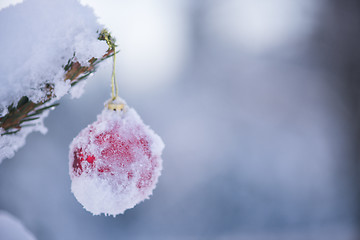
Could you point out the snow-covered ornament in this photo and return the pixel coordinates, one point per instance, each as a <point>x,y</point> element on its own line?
<point>115,162</point>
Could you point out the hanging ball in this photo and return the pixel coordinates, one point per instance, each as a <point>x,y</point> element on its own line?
<point>115,162</point>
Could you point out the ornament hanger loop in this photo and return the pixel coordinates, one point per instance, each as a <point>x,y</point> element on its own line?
<point>115,102</point>
<point>114,86</point>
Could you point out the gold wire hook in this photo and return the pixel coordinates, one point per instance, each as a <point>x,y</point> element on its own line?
<point>114,103</point>
<point>114,87</point>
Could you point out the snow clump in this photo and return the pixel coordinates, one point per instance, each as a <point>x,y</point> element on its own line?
<point>38,39</point>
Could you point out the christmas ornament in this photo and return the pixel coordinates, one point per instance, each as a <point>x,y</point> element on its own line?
<point>115,162</point>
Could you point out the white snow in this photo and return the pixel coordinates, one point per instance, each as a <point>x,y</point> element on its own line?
<point>12,229</point>
<point>37,39</point>
<point>77,90</point>
<point>115,192</point>
<point>10,143</point>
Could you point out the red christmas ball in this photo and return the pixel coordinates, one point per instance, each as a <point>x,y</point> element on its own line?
<point>115,162</point>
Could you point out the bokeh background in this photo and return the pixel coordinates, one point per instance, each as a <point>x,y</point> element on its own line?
<point>257,102</point>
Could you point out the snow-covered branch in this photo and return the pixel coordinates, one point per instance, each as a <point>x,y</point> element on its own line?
<point>48,49</point>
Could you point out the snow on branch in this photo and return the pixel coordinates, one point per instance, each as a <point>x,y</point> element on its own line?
<point>47,48</point>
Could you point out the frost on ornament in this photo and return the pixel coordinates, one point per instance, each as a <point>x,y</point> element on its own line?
<point>115,162</point>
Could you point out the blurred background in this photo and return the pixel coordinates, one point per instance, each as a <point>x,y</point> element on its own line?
<point>257,102</point>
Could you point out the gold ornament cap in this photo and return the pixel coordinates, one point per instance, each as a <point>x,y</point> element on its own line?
<point>116,104</point>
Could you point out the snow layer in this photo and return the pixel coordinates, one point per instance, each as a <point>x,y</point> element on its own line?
<point>123,162</point>
<point>10,143</point>
<point>38,38</point>
<point>12,229</point>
